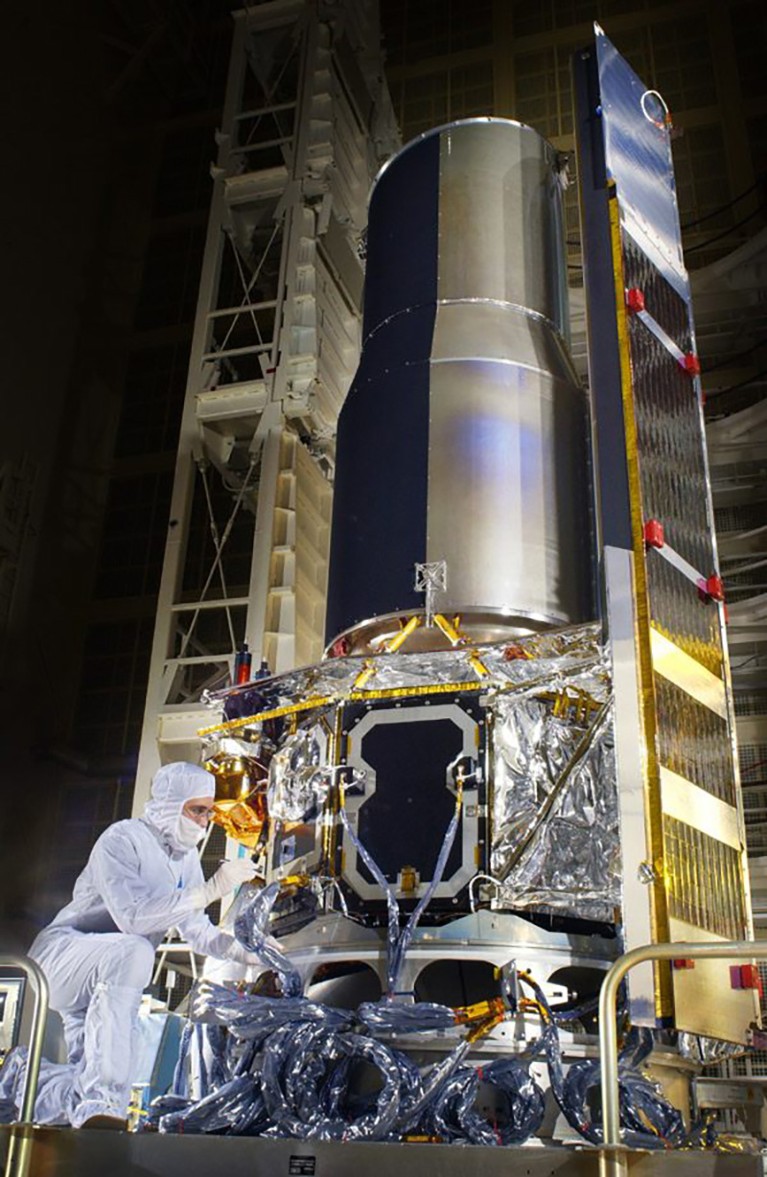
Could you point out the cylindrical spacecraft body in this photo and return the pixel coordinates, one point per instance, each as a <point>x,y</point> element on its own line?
<point>464,435</point>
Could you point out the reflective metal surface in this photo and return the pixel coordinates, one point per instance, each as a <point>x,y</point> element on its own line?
<point>480,458</point>
<point>646,392</point>
<point>698,839</point>
<point>507,439</point>
<point>479,626</point>
<point>60,1152</point>
<point>630,786</point>
<point>639,156</point>
<point>688,674</point>
<point>240,803</point>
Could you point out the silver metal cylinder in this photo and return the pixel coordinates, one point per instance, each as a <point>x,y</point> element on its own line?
<point>466,346</point>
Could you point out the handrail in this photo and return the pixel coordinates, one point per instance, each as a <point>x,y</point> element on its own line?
<point>608,1031</point>
<point>37,1034</point>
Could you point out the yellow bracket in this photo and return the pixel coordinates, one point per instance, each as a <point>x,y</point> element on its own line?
<point>390,647</point>
<point>532,1003</point>
<point>478,665</point>
<point>577,704</point>
<point>352,696</point>
<point>367,672</point>
<point>400,638</point>
<point>480,1011</point>
<point>357,696</point>
<point>483,1028</point>
<point>276,713</point>
<point>442,688</point>
<point>529,1004</point>
<point>450,629</point>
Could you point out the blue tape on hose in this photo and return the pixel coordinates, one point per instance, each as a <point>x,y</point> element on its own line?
<point>392,906</point>
<point>237,1108</point>
<point>251,929</point>
<point>304,1088</point>
<point>404,940</point>
<point>457,1119</point>
<point>255,1017</point>
<point>180,1085</point>
<point>218,1072</point>
<point>398,943</point>
<point>647,1118</point>
<point>386,1017</point>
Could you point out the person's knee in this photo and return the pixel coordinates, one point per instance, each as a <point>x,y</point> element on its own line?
<point>128,961</point>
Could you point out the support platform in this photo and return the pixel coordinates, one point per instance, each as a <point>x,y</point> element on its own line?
<point>64,1152</point>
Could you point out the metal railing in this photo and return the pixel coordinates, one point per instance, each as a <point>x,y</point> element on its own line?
<point>37,1033</point>
<point>18,1157</point>
<point>613,1161</point>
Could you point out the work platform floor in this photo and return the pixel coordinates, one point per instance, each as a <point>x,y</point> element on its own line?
<point>63,1152</point>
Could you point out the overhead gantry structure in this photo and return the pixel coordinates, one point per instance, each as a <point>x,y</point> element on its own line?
<point>307,123</point>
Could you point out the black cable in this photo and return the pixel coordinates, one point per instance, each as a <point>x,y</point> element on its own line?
<point>723,208</point>
<point>726,233</point>
<point>736,387</point>
<point>737,356</point>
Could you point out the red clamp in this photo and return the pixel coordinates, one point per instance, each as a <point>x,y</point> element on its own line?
<point>635,299</point>
<point>683,963</point>
<point>711,589</point>
<point>340,648</point>
<point>691,364</point>
<point>745,976</point>
<point>652,533</point>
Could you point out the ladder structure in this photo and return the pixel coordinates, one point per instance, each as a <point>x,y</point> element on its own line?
<point>307,123</point>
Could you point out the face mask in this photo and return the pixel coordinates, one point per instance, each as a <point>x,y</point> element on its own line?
<point>188,834</point>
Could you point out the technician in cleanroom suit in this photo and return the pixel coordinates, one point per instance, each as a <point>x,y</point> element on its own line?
<point>142,878</point>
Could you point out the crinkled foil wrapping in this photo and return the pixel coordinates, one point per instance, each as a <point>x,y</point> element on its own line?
<point>554,813</point>
<point>555,842</point>
<point>534,659</point>
<point>707,1051</point>
<point>296,777</point>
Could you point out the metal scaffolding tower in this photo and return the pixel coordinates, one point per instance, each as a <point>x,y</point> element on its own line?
<point>307,123</point>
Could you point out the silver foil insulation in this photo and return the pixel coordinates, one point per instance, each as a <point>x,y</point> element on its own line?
<point>527,727</point>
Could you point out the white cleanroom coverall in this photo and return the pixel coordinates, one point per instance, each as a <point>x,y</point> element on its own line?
<point>142,878</point>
